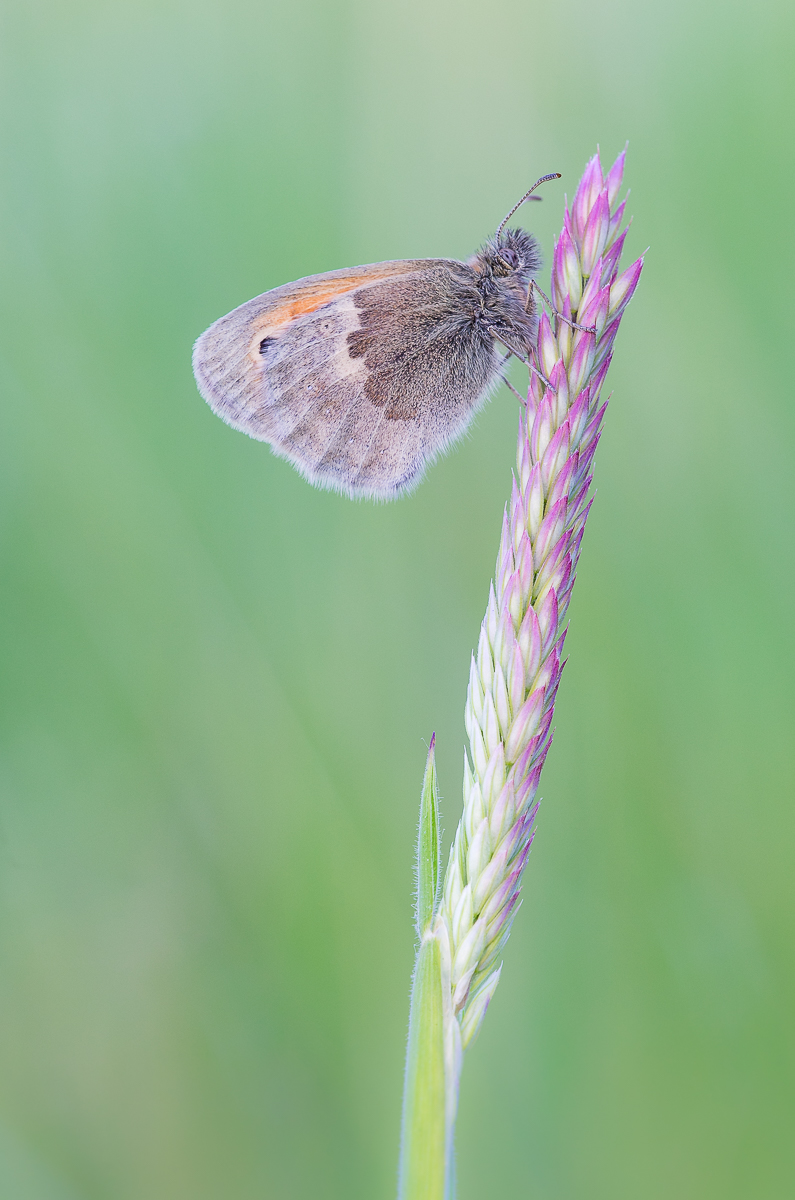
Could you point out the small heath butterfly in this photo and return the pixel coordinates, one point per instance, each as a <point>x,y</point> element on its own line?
<point>362,377</point>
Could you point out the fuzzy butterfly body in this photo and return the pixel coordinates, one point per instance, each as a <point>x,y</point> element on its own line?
<point>362,377</point>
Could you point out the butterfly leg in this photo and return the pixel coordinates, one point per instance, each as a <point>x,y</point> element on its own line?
<point>517,354</point>
<point>508,383</point>
<point>518,395</point>
<point>553,310</point>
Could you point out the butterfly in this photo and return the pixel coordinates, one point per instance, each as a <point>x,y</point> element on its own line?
<point>362,377</point>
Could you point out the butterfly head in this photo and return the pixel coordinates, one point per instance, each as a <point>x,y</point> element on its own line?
<point>513,254</point>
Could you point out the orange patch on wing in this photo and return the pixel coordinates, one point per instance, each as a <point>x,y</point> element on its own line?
<point>308,304</point>
<point>312,297</point>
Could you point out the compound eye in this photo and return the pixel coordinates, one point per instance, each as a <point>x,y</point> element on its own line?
<point>509,257</point>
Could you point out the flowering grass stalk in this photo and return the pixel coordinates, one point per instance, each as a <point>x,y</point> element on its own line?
<point>516,671</point>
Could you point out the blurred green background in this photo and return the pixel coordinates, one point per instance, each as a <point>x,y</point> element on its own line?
<point>217,682</point>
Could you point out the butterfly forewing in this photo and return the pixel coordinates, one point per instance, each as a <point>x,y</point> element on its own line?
<point>359,377</point>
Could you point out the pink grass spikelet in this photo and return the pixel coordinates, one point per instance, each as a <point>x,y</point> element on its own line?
<point>516,671</point>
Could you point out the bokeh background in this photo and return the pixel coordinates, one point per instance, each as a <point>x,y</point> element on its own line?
<point>217,683</point>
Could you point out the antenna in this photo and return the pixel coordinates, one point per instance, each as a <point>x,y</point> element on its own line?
<point>526,196</point>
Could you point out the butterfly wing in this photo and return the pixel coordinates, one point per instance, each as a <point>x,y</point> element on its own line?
<point>359,377</point>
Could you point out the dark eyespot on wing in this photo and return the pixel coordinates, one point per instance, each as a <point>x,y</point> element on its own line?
<point>263,346</point>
